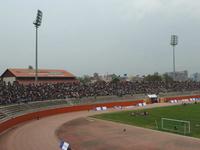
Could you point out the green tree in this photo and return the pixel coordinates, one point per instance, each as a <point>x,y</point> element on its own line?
<point>167,78</point>
<point>115,78</point>
<point>153,78</point>
<point>85,79</point>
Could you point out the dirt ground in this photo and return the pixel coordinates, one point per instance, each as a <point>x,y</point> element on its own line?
<point>84,133</point>
<point>93,134</point>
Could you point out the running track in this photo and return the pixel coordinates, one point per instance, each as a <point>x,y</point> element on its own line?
<point>40,134</point>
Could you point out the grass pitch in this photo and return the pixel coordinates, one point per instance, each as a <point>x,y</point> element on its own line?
<point>190,112</point>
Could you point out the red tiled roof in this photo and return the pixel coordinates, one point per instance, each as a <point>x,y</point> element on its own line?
<point>41,73</point>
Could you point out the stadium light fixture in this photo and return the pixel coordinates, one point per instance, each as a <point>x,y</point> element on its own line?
<point>174,42</point>
<point>37,23</point>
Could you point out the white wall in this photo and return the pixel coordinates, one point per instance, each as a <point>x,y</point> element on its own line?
<point>9,79</point>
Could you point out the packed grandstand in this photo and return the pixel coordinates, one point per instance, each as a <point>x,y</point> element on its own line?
<point>16,93</point>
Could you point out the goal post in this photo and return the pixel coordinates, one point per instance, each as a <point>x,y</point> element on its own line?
<point>174,125</point>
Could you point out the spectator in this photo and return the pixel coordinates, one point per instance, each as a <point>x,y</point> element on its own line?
<point>16,93</point>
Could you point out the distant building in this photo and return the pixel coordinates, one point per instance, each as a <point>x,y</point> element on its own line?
<point>196,77</point>
<point>95,78</point>
<point>27,76</point>
<point>107,78</point>
<point>179,75</point>
<point>124,78</point>
<point>136,78</point>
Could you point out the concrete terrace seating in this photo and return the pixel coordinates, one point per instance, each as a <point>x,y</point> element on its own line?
<point>13,110</point>
<point>2,115</point>
<point>37,105</point>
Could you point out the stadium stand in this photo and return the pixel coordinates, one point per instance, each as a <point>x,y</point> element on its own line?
<point>2,115</point>
<point>13,110</point>
<point>17,93</point>
<point>36,105</point>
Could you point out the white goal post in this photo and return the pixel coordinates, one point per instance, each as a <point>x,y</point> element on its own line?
<point>173,125</point>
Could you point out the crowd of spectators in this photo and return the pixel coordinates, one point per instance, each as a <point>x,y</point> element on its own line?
<point>15,93</point>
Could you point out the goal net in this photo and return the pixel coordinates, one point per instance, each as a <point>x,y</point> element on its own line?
<point>173,125</point>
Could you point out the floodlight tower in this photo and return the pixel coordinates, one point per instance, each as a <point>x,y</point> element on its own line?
<point>37,23</point>
<point>174,42</point>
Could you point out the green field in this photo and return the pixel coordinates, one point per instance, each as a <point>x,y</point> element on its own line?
<point>190,112</point>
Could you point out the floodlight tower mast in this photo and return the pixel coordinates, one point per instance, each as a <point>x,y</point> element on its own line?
<point>37,23</point>
<point>174,42</point>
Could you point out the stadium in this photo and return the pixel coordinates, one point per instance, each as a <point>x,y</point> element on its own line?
<point>88,122</point>
<point>99,75</point>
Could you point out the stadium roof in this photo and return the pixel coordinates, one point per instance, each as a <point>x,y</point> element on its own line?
<point>41,73</point>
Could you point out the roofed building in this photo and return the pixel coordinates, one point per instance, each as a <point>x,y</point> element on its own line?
<point>27,76</point>
<point>179,75</point>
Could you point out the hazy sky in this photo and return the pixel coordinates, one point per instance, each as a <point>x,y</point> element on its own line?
<point>104,36</point>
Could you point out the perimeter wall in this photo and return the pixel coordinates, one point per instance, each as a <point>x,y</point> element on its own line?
<point>180,97</point>
<point>44,113</point>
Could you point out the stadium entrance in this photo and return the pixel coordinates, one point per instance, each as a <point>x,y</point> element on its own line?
<point>153,98</point>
